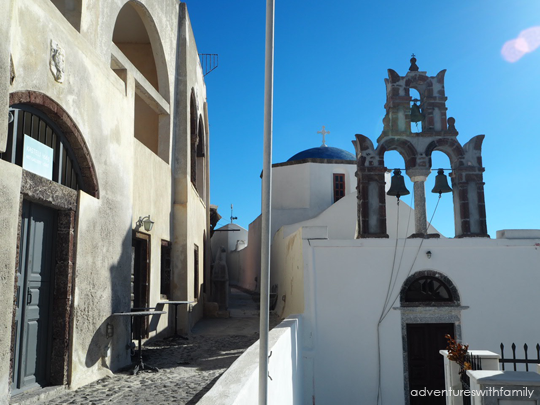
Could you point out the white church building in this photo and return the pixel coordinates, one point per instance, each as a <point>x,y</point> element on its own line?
<point>376,297</point>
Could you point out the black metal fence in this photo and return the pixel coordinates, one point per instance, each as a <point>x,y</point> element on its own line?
<point>517,361</point>
<point>475,363</point>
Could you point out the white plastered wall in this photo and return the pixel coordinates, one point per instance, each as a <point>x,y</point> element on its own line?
<point>250,258</point>
<point>302,191</point>
<point>10,186</point>
<point>345,286</point>
<point>152,196</point>
<point>233,238</point>
<point>191,206</point>
<point>5,68</point>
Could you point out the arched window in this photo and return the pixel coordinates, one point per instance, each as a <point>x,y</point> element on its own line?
<point>429,288</point>
<point>28,125</point>
<point>201,152</point>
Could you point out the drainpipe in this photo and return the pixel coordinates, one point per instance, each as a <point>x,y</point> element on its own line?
<point>266,204</point>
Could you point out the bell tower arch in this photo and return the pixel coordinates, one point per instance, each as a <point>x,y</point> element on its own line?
<point>435,132</point>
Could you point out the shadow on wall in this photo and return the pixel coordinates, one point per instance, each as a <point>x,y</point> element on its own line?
<point>109,344</point>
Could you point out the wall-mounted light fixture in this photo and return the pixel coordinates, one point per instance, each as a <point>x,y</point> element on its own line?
<point>428,254</point>
<point>145,222</point>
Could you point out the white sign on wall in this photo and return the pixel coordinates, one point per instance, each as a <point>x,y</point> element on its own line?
<point>37,157</point>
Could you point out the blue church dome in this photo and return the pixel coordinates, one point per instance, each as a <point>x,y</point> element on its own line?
<point>323,152</point>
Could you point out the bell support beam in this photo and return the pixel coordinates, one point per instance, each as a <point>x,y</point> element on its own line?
<point>420,220</point>
<point>419,176</point>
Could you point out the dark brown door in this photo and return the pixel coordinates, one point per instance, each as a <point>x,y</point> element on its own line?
<point>140,278</point>
<point>426,364</point>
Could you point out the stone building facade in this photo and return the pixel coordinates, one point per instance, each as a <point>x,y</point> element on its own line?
<point>105,125</point>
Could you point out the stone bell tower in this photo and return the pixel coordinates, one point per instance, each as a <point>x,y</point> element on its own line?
<point>415,127</point>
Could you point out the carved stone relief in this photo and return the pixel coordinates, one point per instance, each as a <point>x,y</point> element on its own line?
<point>57,61</point>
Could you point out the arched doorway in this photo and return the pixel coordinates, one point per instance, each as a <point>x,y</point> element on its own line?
<point>430,309</point>
<point>41,129</point>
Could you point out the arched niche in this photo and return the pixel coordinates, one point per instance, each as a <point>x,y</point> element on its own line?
<point>136,37</point>
<point>201,157</point>
<point>416,100</point>
<point>194,136</point>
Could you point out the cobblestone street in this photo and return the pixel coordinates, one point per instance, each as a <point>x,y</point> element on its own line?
<point>187,368</point>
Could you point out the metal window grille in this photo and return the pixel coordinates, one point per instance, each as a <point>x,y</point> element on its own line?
<point>29,121</point>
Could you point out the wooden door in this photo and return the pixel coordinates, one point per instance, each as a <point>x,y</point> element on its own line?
<point>140,277</point>
<point>33,297</point>
<point>426,364</point>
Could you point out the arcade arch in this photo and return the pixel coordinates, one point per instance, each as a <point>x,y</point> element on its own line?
<point>137,48</point>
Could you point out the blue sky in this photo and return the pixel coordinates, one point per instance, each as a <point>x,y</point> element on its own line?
<point>331,59</point>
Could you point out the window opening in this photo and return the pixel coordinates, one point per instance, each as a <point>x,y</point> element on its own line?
<point>71,10</point>
<point>165,288</point>
<point>428,289</point>
<point>339,186</point>
<point>417,111</point>
<point>32,122</point>
<point>196,272</point>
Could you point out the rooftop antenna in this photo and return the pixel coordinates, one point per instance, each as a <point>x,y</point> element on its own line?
<point>323,132</point>
<point>232,217</point>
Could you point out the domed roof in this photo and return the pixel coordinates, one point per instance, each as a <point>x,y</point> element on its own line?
<point>323,152</point>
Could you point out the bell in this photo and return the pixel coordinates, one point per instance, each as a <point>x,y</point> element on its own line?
<point>441,183</point>
<point>397,185</point>
<point>416,115</point>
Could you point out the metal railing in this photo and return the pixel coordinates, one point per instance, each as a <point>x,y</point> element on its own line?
<point>475,363</point>
<point>517,361</point>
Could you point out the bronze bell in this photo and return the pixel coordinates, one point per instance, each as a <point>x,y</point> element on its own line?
<point>397,185</point>
<point>416,115</point>
<point>441,183</point>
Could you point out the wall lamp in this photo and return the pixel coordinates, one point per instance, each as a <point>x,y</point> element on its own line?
<point>145,222</point>
<point>428,254</point>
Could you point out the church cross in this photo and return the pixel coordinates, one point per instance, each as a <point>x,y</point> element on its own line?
<point>323,132</point>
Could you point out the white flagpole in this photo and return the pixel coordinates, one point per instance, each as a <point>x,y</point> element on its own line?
<point>266,205</point>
